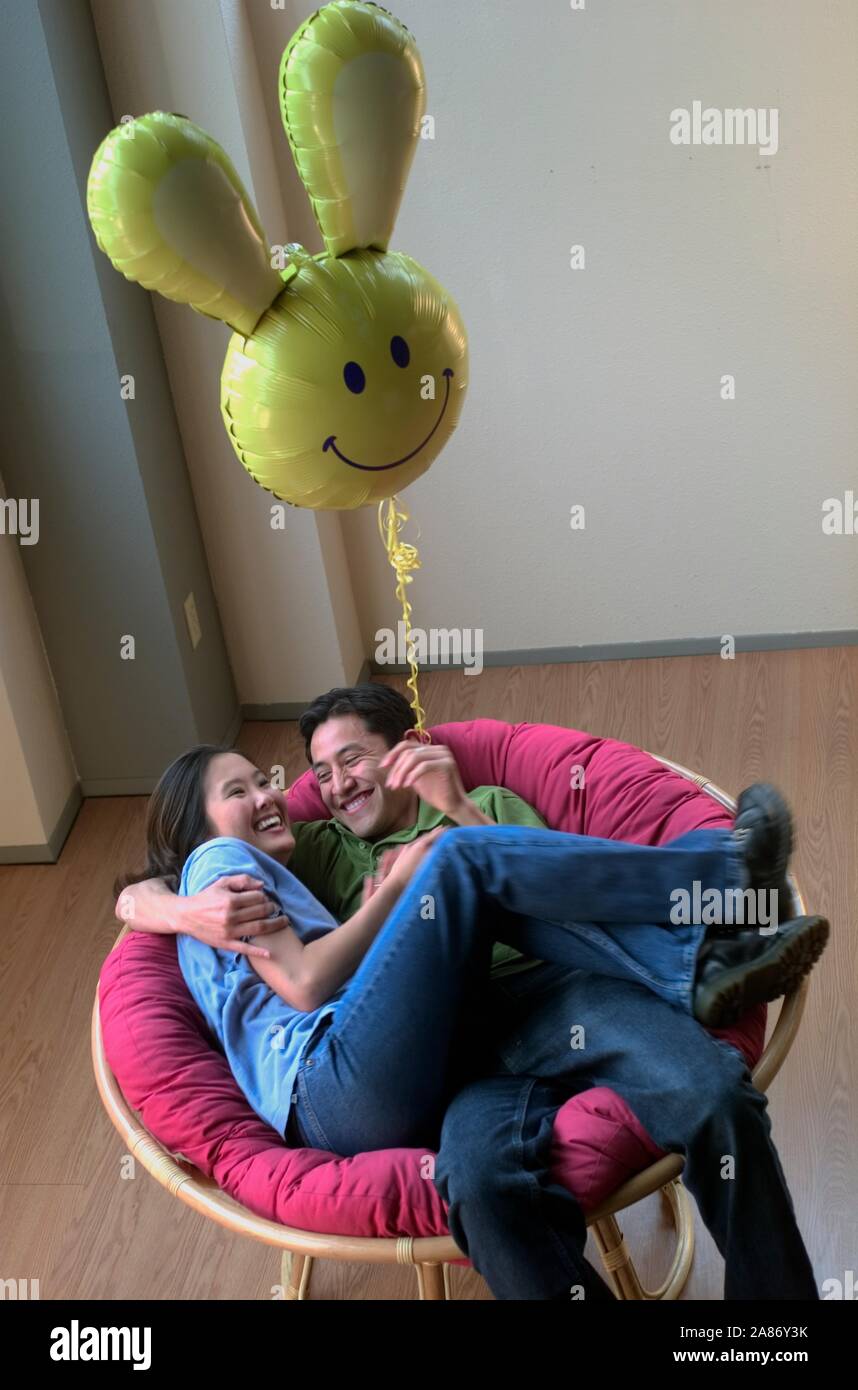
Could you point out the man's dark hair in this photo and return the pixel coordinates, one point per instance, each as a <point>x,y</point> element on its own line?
<point>382,710</point>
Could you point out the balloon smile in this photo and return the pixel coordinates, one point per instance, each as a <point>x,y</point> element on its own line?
<point>331,442</point>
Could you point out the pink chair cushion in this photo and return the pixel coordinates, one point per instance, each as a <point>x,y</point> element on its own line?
<point>159,1048</point>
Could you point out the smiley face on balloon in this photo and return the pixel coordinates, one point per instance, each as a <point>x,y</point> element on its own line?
<point>346,372</point>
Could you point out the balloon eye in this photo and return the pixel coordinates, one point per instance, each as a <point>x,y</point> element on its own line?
<point>399,352</point>
<point>353,375</point>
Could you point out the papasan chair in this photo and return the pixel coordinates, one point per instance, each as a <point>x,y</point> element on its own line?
<point>173,1099</point>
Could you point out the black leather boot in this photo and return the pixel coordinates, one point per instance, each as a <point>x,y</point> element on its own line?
<point>739,967</point>
<point>764,832</point>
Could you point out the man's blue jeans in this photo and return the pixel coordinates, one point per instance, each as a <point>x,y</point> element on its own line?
<point>692,1093</point>
<point>381,1069</point>
<point>410,1030</point>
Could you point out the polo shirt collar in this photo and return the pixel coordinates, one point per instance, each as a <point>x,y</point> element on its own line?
<point>427,819</point>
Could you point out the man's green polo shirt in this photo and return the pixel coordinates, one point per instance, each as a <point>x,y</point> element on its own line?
<point>333,862</point>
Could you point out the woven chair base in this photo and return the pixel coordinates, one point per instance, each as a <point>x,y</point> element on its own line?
<point>618,1262</point>
<point>433,1280</point>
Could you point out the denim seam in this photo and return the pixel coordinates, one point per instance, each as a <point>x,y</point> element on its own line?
<point>601,939</point>
<point>310,1115</point>
<point>534,1188</point>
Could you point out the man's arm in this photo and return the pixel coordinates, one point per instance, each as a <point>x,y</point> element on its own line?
<point>232,907</point>
<point>504,807</point>
<point>432,771</point>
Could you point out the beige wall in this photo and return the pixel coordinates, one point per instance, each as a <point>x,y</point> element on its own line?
<point>598,387</point>
<point>601,386</point>
<point>39,774</point>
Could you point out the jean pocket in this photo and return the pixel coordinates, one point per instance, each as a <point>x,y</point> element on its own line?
<point>308,1119</point>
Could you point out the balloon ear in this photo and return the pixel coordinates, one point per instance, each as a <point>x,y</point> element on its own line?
<point>170,212</point>
<point>352,96</point>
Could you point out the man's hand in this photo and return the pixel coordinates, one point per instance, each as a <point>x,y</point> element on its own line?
<point>432,771</point>
<point>234,906</point>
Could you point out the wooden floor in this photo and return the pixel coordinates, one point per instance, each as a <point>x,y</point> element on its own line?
<point>67,1217</point>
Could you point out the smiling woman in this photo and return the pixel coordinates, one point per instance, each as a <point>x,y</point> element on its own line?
<point>210,791</point>
<point>241,802</point>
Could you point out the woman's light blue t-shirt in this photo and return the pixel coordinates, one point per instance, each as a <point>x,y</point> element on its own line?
<point>262,1036</point>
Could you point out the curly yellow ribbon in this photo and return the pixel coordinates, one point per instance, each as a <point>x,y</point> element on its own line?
<point>404,558</point>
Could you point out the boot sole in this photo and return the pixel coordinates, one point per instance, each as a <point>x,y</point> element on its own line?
<point>723,1001</point>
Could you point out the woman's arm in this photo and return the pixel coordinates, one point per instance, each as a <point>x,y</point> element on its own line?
<point>307,975</point>
<point>232,907</point>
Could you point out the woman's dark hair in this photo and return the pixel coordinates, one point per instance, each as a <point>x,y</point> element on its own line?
<point>176,820</point>
<point>383,710</point>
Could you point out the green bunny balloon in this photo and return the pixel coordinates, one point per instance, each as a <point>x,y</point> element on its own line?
<point>346,371</point>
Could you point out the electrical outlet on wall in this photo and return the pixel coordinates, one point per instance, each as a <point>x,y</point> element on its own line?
<point>192,619</point>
